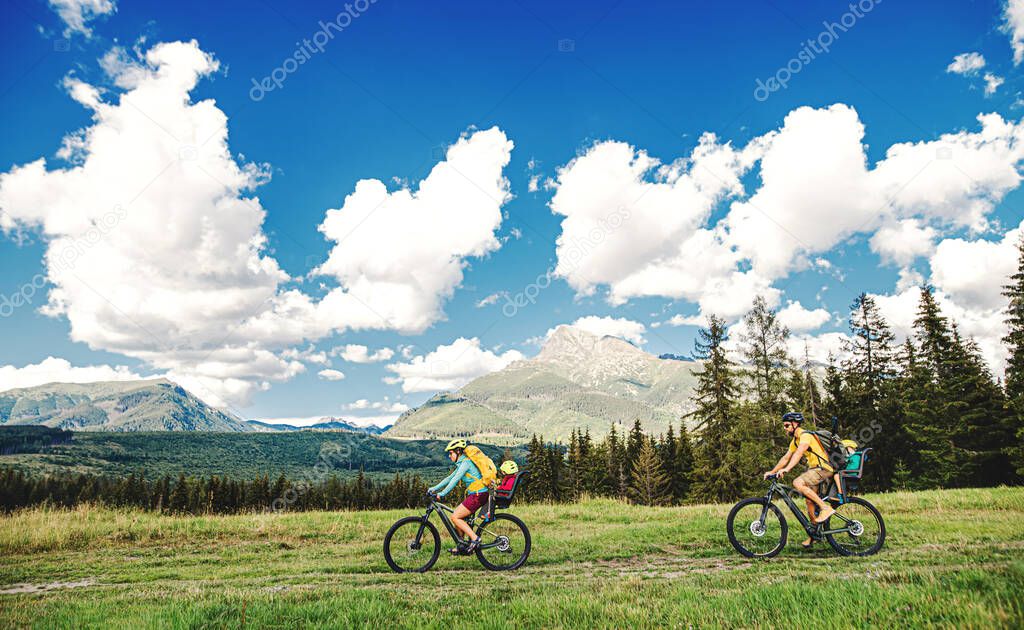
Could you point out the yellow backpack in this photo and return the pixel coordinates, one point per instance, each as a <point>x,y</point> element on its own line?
<point>488,472</point>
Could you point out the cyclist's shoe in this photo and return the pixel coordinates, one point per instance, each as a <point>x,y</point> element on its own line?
<point>823,515</point>
<point>459,549</point>
<point>472,546</point>
<point>807,544</point>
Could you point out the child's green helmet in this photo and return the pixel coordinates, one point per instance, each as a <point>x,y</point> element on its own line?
<point>509,467</point>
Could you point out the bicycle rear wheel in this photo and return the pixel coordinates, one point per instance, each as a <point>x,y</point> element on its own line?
<point>757,528</point>
<point>410,549</point>
<point>505,543</point>
<point>864,529</point>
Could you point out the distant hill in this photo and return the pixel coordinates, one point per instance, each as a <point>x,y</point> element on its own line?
<point>145,405</point>
<point>297,454</point>
<point>325,424</point>
<point>578,380</point>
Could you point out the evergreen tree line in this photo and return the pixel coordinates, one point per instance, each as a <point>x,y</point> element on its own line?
<point>210,495</point>
<point>930,408</point>
<point>634,466</point>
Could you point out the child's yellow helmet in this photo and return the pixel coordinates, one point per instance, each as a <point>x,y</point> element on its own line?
<point>509,467</point>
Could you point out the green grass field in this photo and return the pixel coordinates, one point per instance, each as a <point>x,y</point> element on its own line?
<point>953,558</point>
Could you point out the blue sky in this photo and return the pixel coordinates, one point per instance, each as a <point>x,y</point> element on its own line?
<point>598,82</point>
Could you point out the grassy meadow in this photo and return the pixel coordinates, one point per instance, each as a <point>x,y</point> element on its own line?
<point>953,558</point>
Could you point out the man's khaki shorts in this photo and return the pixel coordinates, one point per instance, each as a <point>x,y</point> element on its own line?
<point>815,476</point>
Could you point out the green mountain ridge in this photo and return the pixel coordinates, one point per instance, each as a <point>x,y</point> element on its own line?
<point>39,451</point>
<point>578,380</point>
<point>125,406</point>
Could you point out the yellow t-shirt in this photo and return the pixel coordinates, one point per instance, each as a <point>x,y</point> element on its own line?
<point>815,455</point>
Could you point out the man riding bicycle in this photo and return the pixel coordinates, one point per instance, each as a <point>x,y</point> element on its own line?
<point>805,445</point>
<point>476,492</point>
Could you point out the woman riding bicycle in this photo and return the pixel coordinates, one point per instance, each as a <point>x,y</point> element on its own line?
<point>476,493</point>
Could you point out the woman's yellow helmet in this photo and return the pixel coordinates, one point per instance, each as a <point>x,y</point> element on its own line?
<point>454,444</point>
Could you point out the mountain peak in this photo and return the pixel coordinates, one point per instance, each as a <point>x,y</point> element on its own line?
<point>575,344</point>
<point>140,405</point>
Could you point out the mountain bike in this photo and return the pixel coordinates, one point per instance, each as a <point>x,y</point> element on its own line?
<point>758,529</point>
<point>412,545</point>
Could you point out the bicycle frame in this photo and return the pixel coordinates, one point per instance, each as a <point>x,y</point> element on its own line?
<point>812,529</point>
<point>442,511</point>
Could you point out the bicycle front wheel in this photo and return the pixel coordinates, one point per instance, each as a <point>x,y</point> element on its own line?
<point>861,528</point>
<point>412,545</point>
<point>504,543</point>
<point>757,528</point>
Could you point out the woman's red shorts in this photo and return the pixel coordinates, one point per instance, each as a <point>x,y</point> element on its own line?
<point>474,502</point>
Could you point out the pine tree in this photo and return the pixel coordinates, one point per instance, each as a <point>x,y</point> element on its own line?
<point>929,409</point>
<point>874,414</point>
<point>634,443</point>
<point>540,487</point>
<point>574,466</point>
<point>715,397</point>
<point>667,450</point>
<point>683,468</point>
<point>764,347</point>
<point>834,400</point>
<point>617,471</point>
<point>558,484</point>
<point>1014,383</point>
<point>982,424</point>
<point>755,446</point>
<point>796,393</point>
<point>595,459</point>
<point>870,348</point>
<point>178,501</point>
<point>648,482</point>
<point>811,389</point>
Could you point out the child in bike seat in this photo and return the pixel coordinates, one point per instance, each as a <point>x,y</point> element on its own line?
<point>507,474</point>
<point>509,469</point>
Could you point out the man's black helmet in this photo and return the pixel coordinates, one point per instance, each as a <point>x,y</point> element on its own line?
<point>793,416</point>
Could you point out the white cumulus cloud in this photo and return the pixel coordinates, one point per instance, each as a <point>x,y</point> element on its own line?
<point>57,370</point>
<point>357,353</point>
<point>799,319</point>
<point>1013,25</point>
<point>77,14</point>
<point>155,248</point>
<point>408,248</point>
<point>641,227</point>
<point>966,63</point>
<point>615,326</point>
<point>331,375</point>
<point>377,405</point>
<point>972,273</point>
<point>450,366</point>
<point>902,242</point>
<point>992,83</point>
